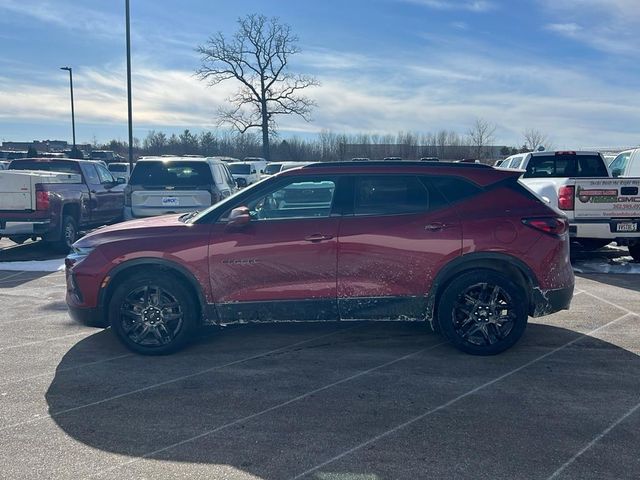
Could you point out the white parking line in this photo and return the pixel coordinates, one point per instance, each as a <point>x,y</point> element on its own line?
<point>266,410</point>
<point>609,303</point>
<point>452,401</point>
<point>36,342</point>
<point>11,276</point>
<point>173,380</point>
<point>81,365</point>
<point>598,437</point>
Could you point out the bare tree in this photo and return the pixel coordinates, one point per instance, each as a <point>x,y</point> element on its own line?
<point>535,138</point>
<point>257,56</point>
<point>481,135</point>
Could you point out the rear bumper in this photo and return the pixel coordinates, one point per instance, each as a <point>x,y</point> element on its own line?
<point>143,212</point>
<point>24,228</point>
<point>599,228</point>
<point>546,302</point>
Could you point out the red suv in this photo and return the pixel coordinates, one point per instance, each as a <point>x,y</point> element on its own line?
<point>464,247</point>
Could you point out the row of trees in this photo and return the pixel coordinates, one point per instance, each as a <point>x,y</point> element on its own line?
<point>331,146</point>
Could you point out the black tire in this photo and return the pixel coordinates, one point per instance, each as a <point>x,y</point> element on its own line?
<point>591,244</point>
<point>634,250</point>
<point>68,234</point>
<point>140,308</point>
<point>471,307</point>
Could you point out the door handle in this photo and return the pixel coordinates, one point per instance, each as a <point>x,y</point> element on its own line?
<point>318,237</point>
<point>436,227</point>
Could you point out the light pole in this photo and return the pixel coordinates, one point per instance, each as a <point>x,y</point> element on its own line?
<point>129,87</point>
<point>73,116</point>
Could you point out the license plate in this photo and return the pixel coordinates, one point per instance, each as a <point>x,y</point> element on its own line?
<point>170,201</point>
<point>627,227</point>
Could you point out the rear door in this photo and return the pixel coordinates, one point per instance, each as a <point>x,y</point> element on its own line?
<point>98,203</point>
<point>113,196</point>
<point>398,235</point>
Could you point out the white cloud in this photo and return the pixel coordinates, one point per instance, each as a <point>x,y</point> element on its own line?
<point>469,5</point>
<point>605,25</point>
<point>575,107</point>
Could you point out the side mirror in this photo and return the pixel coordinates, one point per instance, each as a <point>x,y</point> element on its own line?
<point>616,172</point>
<point>239,217</point>
<point>120,181</point>
<point>241,182</point>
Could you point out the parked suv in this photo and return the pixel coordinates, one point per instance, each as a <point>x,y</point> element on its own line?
<point>464,247</point>
<point>162,185</point>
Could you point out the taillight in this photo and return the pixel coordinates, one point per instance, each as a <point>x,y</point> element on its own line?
<point>127,196</point>
<point>42,198</point>
<point>566,197</point>
<point>550,225</point>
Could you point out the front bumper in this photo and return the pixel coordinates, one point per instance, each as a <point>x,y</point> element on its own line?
<point>91,317</point>
<point>546,302</point>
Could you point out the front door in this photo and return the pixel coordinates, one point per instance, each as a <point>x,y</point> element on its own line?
<point>282,265</point>
<point>399,234</point>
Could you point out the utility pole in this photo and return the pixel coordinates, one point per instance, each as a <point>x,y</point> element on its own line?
<point>73,116</point>
<point>129,87</point>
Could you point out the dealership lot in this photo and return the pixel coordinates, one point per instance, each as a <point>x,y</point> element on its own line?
<point>325,401</point>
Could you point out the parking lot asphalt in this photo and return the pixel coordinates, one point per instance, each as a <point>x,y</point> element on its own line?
<point>321,401</point>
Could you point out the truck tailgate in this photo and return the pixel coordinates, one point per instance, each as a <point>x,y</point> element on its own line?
<point>615,198</point>
<point>17,191</point>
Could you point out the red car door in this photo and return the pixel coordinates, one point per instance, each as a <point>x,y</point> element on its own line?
<point>400,233</point>
<point>282,265</point>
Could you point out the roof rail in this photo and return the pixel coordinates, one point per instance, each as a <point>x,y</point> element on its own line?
<point>403,163</point>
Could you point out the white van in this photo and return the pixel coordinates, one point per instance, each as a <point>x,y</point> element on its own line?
<point>244,173</point>
<point>626,164</point>
<point>120,170</point>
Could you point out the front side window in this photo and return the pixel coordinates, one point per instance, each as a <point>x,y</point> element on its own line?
<point>104,174</point>
<point>389,195</point>
<point>619,164</point>
<point>298,199</point>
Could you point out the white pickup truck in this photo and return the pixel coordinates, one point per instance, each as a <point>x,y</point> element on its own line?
<point>600,209</point>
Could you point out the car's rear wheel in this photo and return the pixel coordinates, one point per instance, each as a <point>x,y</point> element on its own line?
<point>153,314</point>
<point>69,234</point>
<point>482,312</point>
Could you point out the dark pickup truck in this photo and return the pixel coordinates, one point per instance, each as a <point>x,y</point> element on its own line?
<point>54,199</point>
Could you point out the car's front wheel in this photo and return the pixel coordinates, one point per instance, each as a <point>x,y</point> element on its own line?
<point>153,313</point>
<point>482,312</point>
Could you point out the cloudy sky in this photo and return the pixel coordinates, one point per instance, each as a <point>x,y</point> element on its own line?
<point>570,68</point>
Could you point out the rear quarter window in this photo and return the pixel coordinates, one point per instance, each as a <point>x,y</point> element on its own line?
<point>455,189</point>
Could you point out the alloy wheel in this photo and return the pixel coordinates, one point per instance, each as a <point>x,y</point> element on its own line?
<point>484,314</point>
<point>151,316</point>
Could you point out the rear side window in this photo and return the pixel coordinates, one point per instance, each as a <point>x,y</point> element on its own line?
<point>169,173</point>
<point>389,195</point>
<point>455,189</point>
<point>92,175</point>
<point>568,165</point>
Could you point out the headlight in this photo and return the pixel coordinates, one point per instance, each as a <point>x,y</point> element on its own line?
<point>77,255</point>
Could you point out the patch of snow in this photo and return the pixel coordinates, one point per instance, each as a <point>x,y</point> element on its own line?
<point>621,265</point>
<point>55,265</point>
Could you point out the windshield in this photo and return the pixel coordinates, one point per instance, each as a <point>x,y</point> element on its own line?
<point>114,167</point>
<point>101,155</point>
<point>45,165</point>
<point>273,168</point>
<point>164,173</point>
<point>239,168</point>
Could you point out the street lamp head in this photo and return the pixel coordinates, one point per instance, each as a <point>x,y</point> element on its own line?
<point>68,69</point>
